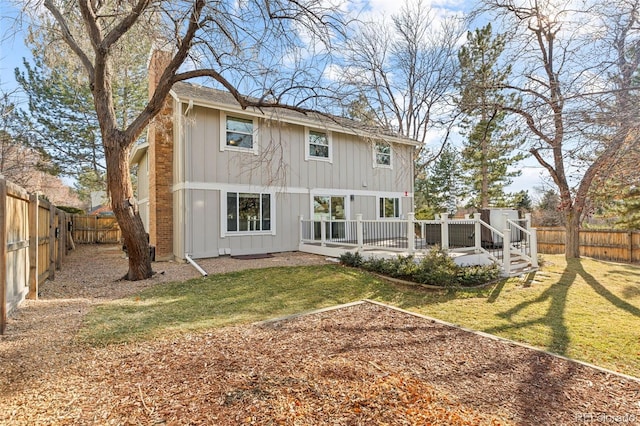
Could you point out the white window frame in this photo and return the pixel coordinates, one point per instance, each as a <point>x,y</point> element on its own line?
<point>380,199</point>
<point>375,155</point>
<point>307,144</point>
<point>224,232</point>
<point>223,133</point>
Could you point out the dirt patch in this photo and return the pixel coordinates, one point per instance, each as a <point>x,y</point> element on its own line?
<point>362,364</point>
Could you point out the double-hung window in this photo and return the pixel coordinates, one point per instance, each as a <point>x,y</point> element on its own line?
<point>389,208</point>
<point>318,145</point>
<point>237,133</point>
<point>248,212</point>
<point>382,154</point>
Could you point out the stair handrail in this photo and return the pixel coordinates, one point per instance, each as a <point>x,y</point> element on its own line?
<point>532,241</point>
<point>487,252</point>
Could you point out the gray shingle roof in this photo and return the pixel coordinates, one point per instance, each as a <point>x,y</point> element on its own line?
<point>207,96</point>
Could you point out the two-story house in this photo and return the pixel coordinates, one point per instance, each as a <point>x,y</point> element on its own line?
<point>214,179</point>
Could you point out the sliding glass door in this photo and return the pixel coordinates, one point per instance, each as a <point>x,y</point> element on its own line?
<point>332,210</point>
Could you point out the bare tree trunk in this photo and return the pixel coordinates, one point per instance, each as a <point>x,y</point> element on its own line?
<point>133,232</point>
<point>572,247</point>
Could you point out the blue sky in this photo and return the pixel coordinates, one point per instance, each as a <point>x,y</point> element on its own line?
<point>12,50</point>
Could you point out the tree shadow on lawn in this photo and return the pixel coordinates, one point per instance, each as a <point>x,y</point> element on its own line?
<point>554,319</point>
<point>603,291</point>
<point>556,296</point>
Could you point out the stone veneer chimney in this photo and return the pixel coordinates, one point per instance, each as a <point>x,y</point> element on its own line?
<point>160,138</point>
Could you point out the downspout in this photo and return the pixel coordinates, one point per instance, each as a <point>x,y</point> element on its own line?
<point>195,265</point>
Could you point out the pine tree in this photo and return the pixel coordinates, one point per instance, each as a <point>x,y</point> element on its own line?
<point>629,211</point>
<point>439,190</point>
<point>489,148</point>
<point>61,111</point>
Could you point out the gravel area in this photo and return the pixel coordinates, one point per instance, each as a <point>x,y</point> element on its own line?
<point>361,364</point>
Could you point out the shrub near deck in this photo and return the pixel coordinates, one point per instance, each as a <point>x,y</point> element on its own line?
<point>436,268</point>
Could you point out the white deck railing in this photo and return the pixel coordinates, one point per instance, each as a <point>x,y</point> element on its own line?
<point>411,236</point>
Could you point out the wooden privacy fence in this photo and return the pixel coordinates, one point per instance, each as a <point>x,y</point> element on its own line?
<point>610,244</point>
<point>33,235</point>
<point>96,229</point>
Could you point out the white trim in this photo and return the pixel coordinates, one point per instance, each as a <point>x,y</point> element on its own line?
<point>307,134</point>
<point>223,214</point>
<point>361,193</point>
<point>223,133</point>
<point>219,186</point>
<point>376,165</point>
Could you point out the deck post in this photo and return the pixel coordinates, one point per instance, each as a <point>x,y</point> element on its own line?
<point>359,232</point>
<point>527,218</point>
<point>323,231</point>
<point>301,229</point>
<point>477,233</point>
<point>506,251</point>
<point>411,233</point>
<point>444,231</point>
<point>534,247</point>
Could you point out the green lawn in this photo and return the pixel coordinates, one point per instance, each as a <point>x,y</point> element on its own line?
<point>586,309</point>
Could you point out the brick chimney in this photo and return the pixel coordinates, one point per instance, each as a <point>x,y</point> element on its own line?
<point>160,138</point>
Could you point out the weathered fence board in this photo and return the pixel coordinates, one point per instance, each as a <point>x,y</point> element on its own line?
<point>609,244</point>
<point>96,229</point>
<point>30,249</point>
<point>17,245</point>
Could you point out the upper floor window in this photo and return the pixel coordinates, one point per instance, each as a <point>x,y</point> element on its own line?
<point>237,133</point>
<point>389,208</point>
<point>382,153</point>
<point>318,145</point>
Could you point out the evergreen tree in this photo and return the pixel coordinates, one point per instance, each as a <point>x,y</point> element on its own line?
<point>64,124</point>
<point>61,110</point>
<point>489,147</point>
<point>547,212</point>
<point>629,211</point>
<point>521,201</point>
<point>439,190</point>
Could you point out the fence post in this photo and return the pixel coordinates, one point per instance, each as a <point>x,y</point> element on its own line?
<point>61,241</point>
<point>323,231</point>
<point>359,232</point>
<point>477,233</point>
<point>3,254</point>
<point>52,242</point>
<point>411,233</point>
<point>506,251</point>
<point>34,202</point>
<point>444,231</point>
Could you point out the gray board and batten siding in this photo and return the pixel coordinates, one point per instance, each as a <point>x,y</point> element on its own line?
<point>205,171</point>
